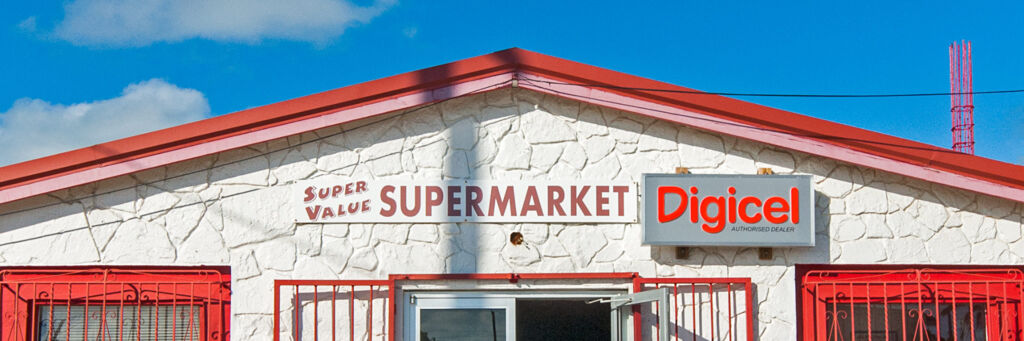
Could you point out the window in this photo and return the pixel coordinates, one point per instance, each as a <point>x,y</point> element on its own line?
<point>911,304</point>
<point>79,303</point>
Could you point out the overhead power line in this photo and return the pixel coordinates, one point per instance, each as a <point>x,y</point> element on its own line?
<point>754,94</point>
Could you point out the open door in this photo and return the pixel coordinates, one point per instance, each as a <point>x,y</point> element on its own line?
<point>622,308</point>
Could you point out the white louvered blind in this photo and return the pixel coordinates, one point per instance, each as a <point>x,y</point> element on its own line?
<point>119,322</point>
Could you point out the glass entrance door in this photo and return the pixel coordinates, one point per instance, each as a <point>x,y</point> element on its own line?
<point>466,316</point>
<point>453,317</point>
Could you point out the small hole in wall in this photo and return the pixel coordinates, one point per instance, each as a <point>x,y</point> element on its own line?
<point>515,238</point>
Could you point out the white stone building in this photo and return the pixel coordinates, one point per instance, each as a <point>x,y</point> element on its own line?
<point>202,218</point>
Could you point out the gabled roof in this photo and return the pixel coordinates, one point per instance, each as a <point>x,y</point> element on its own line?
<point>530,70</point>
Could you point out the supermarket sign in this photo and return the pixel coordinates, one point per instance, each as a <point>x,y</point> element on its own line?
<point>333,200</point>
<point>728,210</point>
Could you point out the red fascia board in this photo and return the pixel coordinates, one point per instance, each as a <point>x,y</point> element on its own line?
<point>219,127</point>
<point>503,61</point>
<point>730,109</point>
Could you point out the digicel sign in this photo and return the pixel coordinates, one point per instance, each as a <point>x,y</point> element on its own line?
<point>378,201</point>
<point>728,210</point>
<point>749,209</point>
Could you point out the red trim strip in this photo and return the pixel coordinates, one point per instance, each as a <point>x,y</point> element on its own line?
<point>843,142</point>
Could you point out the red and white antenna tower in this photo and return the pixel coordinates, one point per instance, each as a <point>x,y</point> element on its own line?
<point>961,87</point>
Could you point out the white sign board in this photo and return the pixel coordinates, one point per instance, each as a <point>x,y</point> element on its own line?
<point>333,200</point>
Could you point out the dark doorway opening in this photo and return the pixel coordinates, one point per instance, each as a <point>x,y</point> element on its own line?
<point>561,319</point>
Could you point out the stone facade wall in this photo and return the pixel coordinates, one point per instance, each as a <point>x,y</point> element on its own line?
<point>226,208</point>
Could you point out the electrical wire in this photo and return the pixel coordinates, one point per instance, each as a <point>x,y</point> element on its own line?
<point>317,139</point>
<point>751,94</point>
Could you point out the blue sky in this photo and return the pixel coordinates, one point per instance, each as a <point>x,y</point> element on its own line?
<point>81,72</point>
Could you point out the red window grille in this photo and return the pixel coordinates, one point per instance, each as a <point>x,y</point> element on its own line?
<point>911,304</point>
<point>111,303</point>
<point>701,308</point>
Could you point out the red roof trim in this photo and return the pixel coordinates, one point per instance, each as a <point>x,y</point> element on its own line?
<point>221,127</point>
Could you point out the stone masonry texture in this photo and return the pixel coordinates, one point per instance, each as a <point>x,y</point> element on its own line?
<point>229,208</point>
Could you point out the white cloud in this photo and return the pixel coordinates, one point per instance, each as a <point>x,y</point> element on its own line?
<point>142,22</point>
<point>34,128</point>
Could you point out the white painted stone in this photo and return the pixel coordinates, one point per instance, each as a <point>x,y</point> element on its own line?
<point>364,259</point>
<point>184,220</point>
<point>389,142</point>
<point>277,254</point>
<point>244,265</point>
<point>908,251</point>
<point>625,148</point>
<point>255,217</point>
<point>950,197</point>
<point>250,296</point>
<point>582,244</point>
<point>310,267</point>
<point>836,187</point>
<point>949,246</point>
<point>336,252</point>
<point>520,255</point>
<point>423,233</point>
<point>900,196</point>
<point>204,246</point>
<point>738,164</point>
<point>456,165</point>
<point>590,123</point>
<point>993,207</point>
<point>836,206</point>
<point>929,213</point>
<point>535,234</point>
<point>867,200</point>
<point>609,253</point>
<point>137,242</point>
<point>847,228</point>
<point>987,252</point>
<point>562,171</point>
<point>605,169</point>
<point>391,233</point>
<point>864,251</point>
<point>635,165</point>
<point>1007,230</point>
<point>904,225</point>
<point>700,150</point>
<point>553,248</point>
<point>876,227</point>
<point>659,136</point>
<point>544,156</point>
<point>296,165</point>
<point>598,147</point>
<point>625,130</point>
<point>462,135</point>
<point>424,123</point>
<point>387,165</point>
<point>977,228</point>
<point>574,155</point>
<point>780,162</point>
<point>557,265</point>
<point>542,127</point>
<point>308,239</point>
<point>485,151</point>
<point>431,155</point>
<point>513,153</point>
